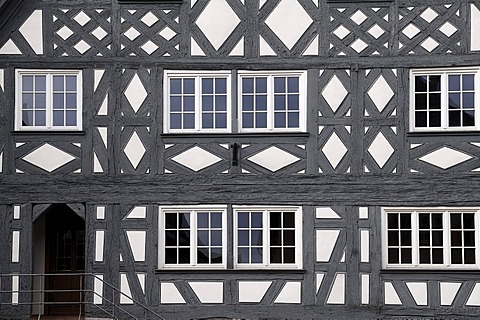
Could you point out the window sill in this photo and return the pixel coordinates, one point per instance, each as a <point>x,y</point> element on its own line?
<point>49,133</point>
<point>443,133</point>
<point>230,271</point>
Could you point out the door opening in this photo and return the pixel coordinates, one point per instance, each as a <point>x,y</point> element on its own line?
<point>63,233</point>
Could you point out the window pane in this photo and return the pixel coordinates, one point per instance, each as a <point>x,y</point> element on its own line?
<point>279,85</point>
<point>406,255</point>
<point>437,256</point>
<point>435,119</point>
<point>40,83</point>
<point>421,101</point>
<point>27,83</point>
<point>293,120</point>
<point>454,83</point>
<point>257,255</point>
<point>71,118</point>
<point>392,220</point>
<point>71,83</point>
<point>27,101</point>
<point>261,102</point>
<point>170,220</point>
<point>188,86</point>
<point>40,118</point>
<point>276,255</point>
<point>437,220</point>
<point>261,120</point>
<point>184,256</point>
<point>170,255</point>
<point>220,85</point>
<point>175,103</point>
<point>243,255</point>
<point>469,256</point>
<point>58,101</point>
<point>420,119</point>
<point>469,238</point>
<point>40,101</point>
<point>184,238</point>
<point>221,121</point>
<point>243,238</point>
<point>280,102</point>
<point>456,238</point>
<point>468,221</point>
<point>468,118</point>
<point>289,237</point>
<point>71,100</point>
<point>405,221</point>
<point>293,84</point>
<point>454,118</point>
<point>203,255</point>
<point>58,84</point>
<point>243,220</point>
<point>175,121</point>
<point>171,238</point>
<point>393,255</point>
<point>207,103</point>
<point>406,238</point>
<point>434,83</point>
<point>247,85</point>
<point>176,86</point>
<point>468,82</point>
<point>207,121</point>
<point>293,102</point>
<point>424,238</point>
<point>203,238</point>
<point>184,220</point>
<point>247,120</point>
<point>275,220</point>
<point>189,121</point>
<point>221,103</point>
<point>393,238</point>
<point>468,100</point>
<point>216,220</point>
<point>247,103</point>
<point>203,220</point>
<point>216,255</point>
<point>257,237</point>
<point>456,256</point>
<point>216,238</point>
<point>275,238</point>
<point>425,256</point>
<point>454,101</point>
<point>207,85</point>
<point>456,220</point>
<point>261,85</point>
<point>289,220</point>
<point>58,118</point>
<point>188,103</point>
<point>424,221</point>
<point>288,255</point>
<point>257,220</point>
<point>435,101</point>
<point>437,238</point>
<point>421,84</point>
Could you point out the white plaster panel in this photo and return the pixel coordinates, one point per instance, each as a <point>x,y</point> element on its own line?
<point>10,48</point>
<point>364,245</point>
<point>326,213</point>
<point>48,157</point>
<point>134,150</point>
<point>1,162</point>
<point>419,292</point>
<point>326,240</point>
<point>381,150</point>
<point>291,293</point>
<point>475,28</point>
<point>15,287</point>
<point>99,245</point>
<point>319,279</point>
<point>217,21</point>
<point>334,93</point>
<point>100,212</point>
<point>2,79</point>
<point>208,292</point>
<point>391,296</point>
<point>16,212</point>
<point>337,292</point>
<point>103,111</point>
<point>98,289</point>
<point>97,166</point>
<point>363,212</point>
<point>288,21</point>
<point>445,157</point>
<point>312,49</point>
<point>474,299</point>
<point>169,294</point>
<point>334,150</point>
<point>252,291</point>
<point>32,31</point>
<point>136,93</point>
<point>238,50</point>
<point>15,246</point>
<point>195,49</point>
<point>139,212</point>
<point>365,278</point>
<point>97,76</point>
<point>125,297</point>
<point>141,279</point>
<point>137,244</point>
<point>196,159</point>
<point>380,93</point>
<point>265,49</point>
<point>273,159</point>
<point>448,292</point>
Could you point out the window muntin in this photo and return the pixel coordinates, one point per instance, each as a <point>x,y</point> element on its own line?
<point>274,101</point>
<point>267,237</point>
<point>430,238</point>
<point>444,100</point>
<point>197,102</point>
<point>193,237</point>
<point>48,100</point>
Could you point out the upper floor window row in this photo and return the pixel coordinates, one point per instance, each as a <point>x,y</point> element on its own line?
<point>444,99</point>
<point>266,102</point>
<point>48,100</point>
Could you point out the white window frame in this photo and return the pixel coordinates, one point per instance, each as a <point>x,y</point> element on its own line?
<point>266,239</point>
<point>197,75</point>
<point>444,72</point>
<point>49,73</point>
<point>193,238</point>
<point>414,211</point>
<point>270,100</point>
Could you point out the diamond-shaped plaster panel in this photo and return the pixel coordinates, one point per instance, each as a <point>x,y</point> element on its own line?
<point>134,150</point>
<point>381,150</point>
<point>48,157</point>
<point>196,159</point>
<point>380,93</point>
<point>289,21</point>
<point>334,93</point>
<point>446,157</point>
<point>334,150</point>
<point>136,93</point>
<point>273,159</point>
<point>217,21</point>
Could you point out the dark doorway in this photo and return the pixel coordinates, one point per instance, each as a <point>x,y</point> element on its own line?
<point>64,261</point>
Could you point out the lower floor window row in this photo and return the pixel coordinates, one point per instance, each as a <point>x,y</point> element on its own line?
<point>431,238</point>
<point>263,237</point>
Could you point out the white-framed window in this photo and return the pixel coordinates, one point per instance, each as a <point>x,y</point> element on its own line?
<point>192,237</point>
<point>445,99</point>
<point>197,101</point>
<point>430,238</point>
<point>267,237</point>
<point>48,100</point>
<point>272,101</point>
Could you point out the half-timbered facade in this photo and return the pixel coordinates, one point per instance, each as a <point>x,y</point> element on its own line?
<point>280,159</point>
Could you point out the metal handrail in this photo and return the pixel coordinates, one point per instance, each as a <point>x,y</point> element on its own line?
<point>81,291</point>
